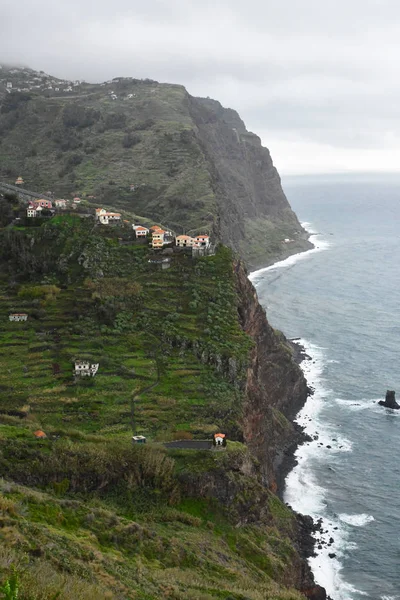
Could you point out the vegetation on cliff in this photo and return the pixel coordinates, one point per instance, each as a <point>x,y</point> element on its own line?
<point>83,513</point>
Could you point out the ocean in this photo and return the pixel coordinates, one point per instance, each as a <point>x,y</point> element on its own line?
<point>342,300</point>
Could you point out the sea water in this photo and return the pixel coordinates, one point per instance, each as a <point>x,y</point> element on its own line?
<point>343,300</point>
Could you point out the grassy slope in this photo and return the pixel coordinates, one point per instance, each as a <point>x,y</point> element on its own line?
<point>84,513</point>
<point>88,157</point>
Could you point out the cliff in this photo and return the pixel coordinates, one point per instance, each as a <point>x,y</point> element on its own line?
<point>275,386</point>
<point>151,149</point>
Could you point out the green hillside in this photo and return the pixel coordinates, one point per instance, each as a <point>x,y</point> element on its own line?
<point>84,513</point>
<point>151,149</point>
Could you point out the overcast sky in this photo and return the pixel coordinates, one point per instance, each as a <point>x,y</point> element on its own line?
<point>318,80</point>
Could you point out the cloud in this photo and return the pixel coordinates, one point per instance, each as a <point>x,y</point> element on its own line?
<point>311,77</point>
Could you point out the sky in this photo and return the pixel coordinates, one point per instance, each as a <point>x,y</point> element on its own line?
<point>317,80</point>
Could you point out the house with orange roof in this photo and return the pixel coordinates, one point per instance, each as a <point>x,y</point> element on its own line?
<point>201,241</point>
<point>219,439</point>
<point>140,231</point>
<point>106,218</point>
<point>184,241</point>
<point>39,434</point>
<point>155,228</point>
<point>60,203</point>
<point>44,203</point>
<point>158,239</point>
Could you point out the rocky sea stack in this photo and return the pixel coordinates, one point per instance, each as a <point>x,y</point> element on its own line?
<point>390,400</point>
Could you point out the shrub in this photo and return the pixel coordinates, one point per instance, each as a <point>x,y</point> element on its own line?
<point>130,140</point>
<point>115,121</point>
<point>75,115</point>
<point>32,292</point>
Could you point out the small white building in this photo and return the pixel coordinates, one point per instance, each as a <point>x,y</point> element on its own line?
<point>60,203</point>
<point>220,439</point>
<point>106,218</point>
<point>83,368</point>
<point>18,317</point>
<point>9,85</point>
<point>201,241</point>
<point>138,439</point>
<point>141,232</point>
<point>31,211</point>
<point>184,241</point>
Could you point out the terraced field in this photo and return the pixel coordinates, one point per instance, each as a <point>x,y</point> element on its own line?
<point>169,324</point>
<point>84,514</point>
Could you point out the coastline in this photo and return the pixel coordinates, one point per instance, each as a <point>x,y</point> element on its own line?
<point>286,462</point>
<point>314,534</point>
<point>317,246</point>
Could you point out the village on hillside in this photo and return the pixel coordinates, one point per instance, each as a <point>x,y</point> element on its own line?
<point>157,237</point>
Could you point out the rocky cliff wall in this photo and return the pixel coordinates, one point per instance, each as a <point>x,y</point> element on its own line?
<point>275,387</point>
<point>254,213</point>
<point>275,391</point>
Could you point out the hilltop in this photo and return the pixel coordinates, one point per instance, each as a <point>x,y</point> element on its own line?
<point>149,148</point>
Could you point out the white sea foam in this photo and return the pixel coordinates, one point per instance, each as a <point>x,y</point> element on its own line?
<point>356,520</point>
<point>305,494</point>
<point>302,490</point>
<point>315,238</point>
<point>370,404</point>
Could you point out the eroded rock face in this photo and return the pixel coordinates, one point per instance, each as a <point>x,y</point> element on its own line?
<point>275,391</point>
<point>249,196</point>
<point>315,593</point>
<point>275,387</point>
<point>390,400</point>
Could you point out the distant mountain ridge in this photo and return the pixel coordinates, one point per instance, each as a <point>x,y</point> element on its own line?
<point>149,148</point>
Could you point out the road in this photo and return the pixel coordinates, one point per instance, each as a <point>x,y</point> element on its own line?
<point>190,444</point>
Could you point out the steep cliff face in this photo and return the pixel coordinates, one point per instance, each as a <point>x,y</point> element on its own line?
<point>275,391</point>
<point>275,388</point>
<point>254,214</point>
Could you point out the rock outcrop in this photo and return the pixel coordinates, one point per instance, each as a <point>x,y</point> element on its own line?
<point>390,400</point>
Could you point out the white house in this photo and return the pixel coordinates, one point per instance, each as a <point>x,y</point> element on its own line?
<point>219,439</point>
<point>138,439</point>
<point>18,317</point>
<point>31,211</point>
<point>60,203</point>
<point>9,85</point>
<point>201,241</point>
<point>84,368</point>
<point>141,232</point>
<point>184,241</point>
<point>105,217</point>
